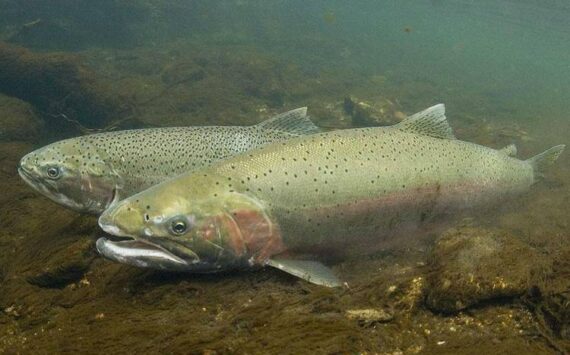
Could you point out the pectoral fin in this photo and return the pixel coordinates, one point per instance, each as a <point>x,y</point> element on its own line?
<point>311,271</point>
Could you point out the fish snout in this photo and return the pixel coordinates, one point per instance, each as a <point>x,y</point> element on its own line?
<point>118,221</point>
<point>107,222</point>
<point>29,172</point>
<point>25,164</point>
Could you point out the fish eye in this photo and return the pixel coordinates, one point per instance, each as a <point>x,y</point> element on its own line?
<point>178,227</point>
<point>53,172</point>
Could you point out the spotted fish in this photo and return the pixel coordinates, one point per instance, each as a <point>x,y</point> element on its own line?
<point>330,193</point>
<point>89,173</point>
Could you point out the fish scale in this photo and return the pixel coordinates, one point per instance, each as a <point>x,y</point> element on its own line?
<point>164,152</point>
<point>101,168</point>
<point>311,185</point>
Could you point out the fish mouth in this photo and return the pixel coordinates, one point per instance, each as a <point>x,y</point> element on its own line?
<point>28,177</point>
<point>142,253</point>
<point>37,184</point>
<point>53,194</point>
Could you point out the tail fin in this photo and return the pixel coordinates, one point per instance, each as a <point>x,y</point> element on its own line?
<point>542,161</point>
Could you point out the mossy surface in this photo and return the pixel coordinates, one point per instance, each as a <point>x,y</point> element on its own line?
<point>58,85</point>
<point>18,122</point>
<point>474,265</point>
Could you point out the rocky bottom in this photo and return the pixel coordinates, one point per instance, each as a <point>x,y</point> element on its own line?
<point>484,288</point>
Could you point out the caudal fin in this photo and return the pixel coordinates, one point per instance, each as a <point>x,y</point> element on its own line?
<point>542,161</point>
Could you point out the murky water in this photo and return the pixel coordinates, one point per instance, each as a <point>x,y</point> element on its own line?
<point>496,280</point>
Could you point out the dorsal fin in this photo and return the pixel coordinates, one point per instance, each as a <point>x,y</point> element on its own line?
<point>295,122</point>
<point>510,150</point>
<point>429,122</point>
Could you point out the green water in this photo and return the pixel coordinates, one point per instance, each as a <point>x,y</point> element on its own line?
<point>496,282</point>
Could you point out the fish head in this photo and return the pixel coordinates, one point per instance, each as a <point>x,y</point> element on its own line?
<point>72,173</point>
<point>190,225</point>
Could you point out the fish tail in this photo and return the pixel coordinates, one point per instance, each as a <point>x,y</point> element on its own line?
<point>542,161</point>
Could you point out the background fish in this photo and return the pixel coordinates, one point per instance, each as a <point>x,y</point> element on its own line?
<point>334,192</point>
<point>88,173</point>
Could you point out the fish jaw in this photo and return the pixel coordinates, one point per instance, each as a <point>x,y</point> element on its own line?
<point>141,254</point>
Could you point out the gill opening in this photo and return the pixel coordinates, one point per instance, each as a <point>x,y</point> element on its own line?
<point>236,239</point>
<point>114,196</point>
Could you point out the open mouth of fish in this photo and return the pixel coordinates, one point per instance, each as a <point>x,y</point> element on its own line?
<point>143,253</point>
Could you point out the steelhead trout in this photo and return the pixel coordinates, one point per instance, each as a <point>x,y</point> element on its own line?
<point>314,195</point>
<point>89,173</point>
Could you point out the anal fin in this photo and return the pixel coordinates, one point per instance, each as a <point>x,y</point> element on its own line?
<point>311,271</point>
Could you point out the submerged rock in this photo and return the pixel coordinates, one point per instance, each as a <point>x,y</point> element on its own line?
<point>60,85</point>
<point>382,112</point>
<point>65,266</point>
<point>18,121</point>
<point>182,72</point>
<point>472,265</point>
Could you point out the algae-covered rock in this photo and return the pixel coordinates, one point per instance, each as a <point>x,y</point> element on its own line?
<point>382,112</point>
<point>550,299</point>
<point>59,85</point>
<point>182,71</point>
<point>472,265</point>
<point>65,266</point>
<point>18,121</point>
<point>556,310</point>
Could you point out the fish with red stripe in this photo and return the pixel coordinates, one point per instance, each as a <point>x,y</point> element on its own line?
<point>333,192</point>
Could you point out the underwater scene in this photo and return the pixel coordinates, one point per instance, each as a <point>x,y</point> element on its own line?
<point>285,177</point>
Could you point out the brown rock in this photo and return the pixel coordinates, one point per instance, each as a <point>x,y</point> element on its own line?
<point>380,112</point>
<point>59,85</point>
<point>472,265</point>
<point>18,121</point>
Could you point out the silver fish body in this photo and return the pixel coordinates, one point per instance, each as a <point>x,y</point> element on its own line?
<point>89,173</point>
